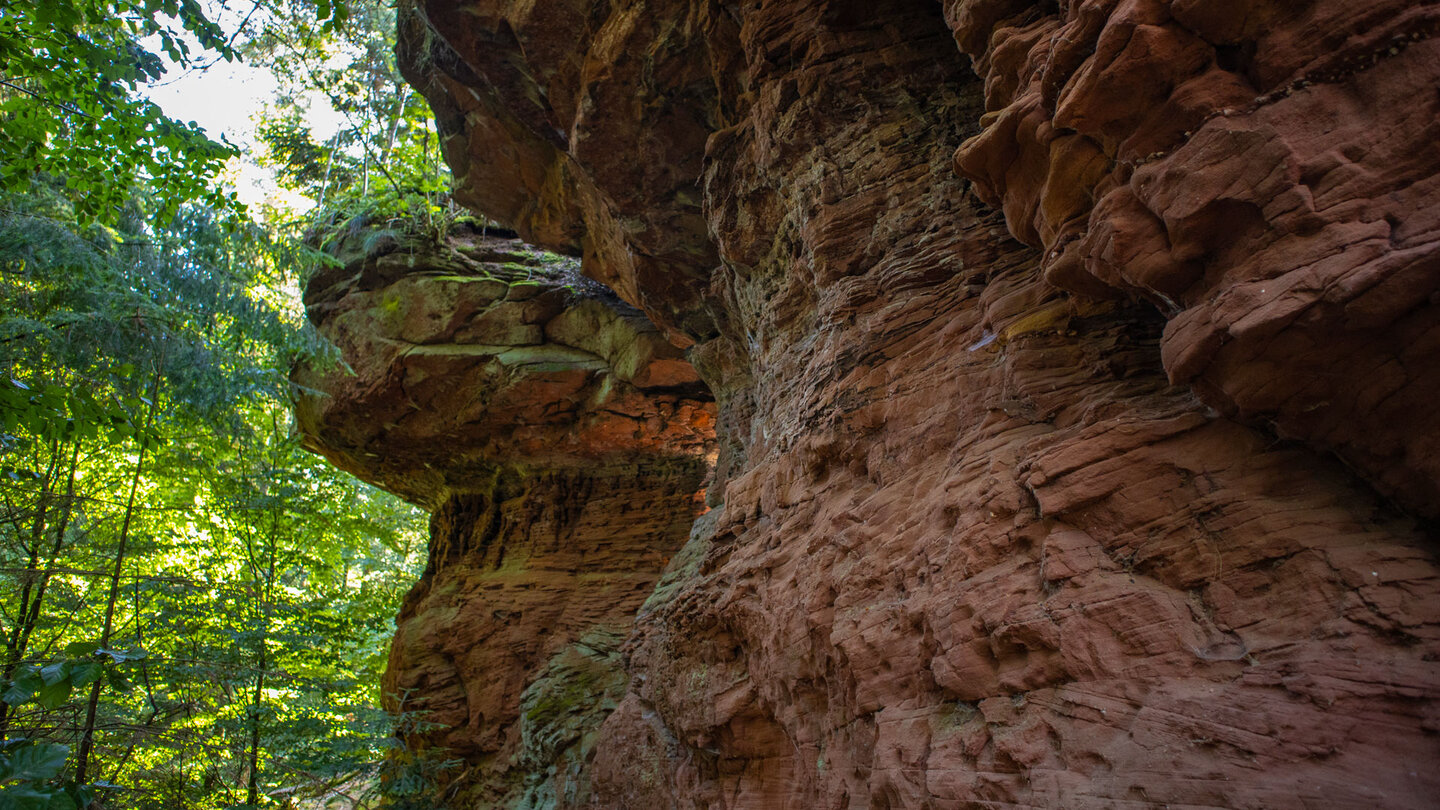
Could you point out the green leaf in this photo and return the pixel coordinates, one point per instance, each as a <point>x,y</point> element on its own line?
<point>86,673</point>
<point>24,687</point>
<point>55,673</point>
<point>118,656</point>
<point>80,649</point>
<point>55,695</point>
<point>33,761</point>
<point>26,796</point>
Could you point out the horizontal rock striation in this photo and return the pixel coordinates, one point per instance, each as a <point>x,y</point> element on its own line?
<point>508,650</point>
<point>1073,367</point>
<point>484,351</point>
<point>1263,172</point>
<point>560,444</point>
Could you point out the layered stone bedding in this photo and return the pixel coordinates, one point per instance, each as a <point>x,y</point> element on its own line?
<point>560,445</point>
<point>1063,372</point>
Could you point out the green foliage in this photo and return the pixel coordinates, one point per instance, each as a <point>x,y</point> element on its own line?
<point>414,779</point>
<point>68,103</point>
<point>69,75</point>
<point>194,612</point>
<point>384,164</point>
<point>298,160</point>
<point>258,582</point>
<point>25,760</point>
<point>30,778</point>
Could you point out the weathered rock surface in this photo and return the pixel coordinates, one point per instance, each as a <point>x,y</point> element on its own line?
<point>1075,410</point>
<point>560,444</point>
<point>1264,172</point>
<point>465,355</point>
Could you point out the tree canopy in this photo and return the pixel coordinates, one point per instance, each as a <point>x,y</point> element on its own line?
<point>193,611</point>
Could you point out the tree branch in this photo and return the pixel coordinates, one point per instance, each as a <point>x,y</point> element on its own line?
<point>57,105</point>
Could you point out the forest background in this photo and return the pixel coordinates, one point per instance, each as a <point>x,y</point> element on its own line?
<point>194,612</point>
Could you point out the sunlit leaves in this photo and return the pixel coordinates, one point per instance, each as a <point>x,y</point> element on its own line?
<point>50,686</point>
<point>384,162</point>
<point>96,325</point>
<point>25,760</point>
<point>136,324</point>
<point>69,106</point>
<point>55,412</point>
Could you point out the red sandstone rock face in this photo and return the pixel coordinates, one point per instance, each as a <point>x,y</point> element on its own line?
<point>560,443</point>
<point>979,542</point>
<point>480,352</point>
<point>509,647</point>
<point>1265,173</point>
<point>530,124</point>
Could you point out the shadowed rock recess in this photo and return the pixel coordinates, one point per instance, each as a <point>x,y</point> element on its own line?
<point>1074,376</point>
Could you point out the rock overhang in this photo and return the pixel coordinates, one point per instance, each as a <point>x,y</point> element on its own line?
<point>975,544</point>
<point>483,352</point>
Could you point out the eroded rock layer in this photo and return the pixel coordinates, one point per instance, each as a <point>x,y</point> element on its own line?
<point>1264,172</point>
<point>483,351</point>
<point>509,648</point>
<point>560,444</point>
<point>1075,374</point>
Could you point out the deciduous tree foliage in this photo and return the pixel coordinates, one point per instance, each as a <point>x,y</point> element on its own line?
<point>194,613</point>
<point>69,71</point>
<point>383,164</point>
<point>196,609</point>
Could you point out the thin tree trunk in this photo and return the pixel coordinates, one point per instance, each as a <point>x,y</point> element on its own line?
<point>67,510</point>
<point>257,703</point>
<point>31,575</point>
<point>149,689</point>
<point>30,605</point>
<point>29,578</point>
<point>87,739</point>
<point>329,162</point>
<point>402,93</point>
<point>252,786</point>
<point>267,593</point>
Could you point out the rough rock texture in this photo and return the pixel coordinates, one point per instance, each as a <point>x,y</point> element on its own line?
<point>485,351</point>
<point>1075,367</point>
<point>560,444</point>
<point>1264,172</point>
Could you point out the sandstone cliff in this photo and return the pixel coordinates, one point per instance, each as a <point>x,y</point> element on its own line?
<point>1074,366</point>
<point>560,444</point>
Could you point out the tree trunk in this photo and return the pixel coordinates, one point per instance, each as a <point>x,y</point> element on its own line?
<point>252,785</point>
<point>30,604</point>
<point>29,579</point>
<point>267,593</point>
<point>402,95</point>
<point>87,739</point>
